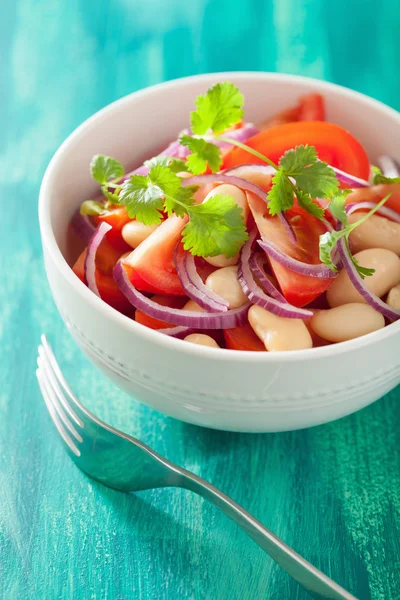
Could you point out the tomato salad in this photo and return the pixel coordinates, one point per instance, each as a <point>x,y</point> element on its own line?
<point>274,237</point>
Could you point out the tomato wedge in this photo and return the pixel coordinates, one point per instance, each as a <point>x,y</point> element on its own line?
<point>153,260</point>
<point>334,145</point>
<point>171,301</point>
<point>311,108</point>
<point>243,338</point>
<point>108,289</point>
<point>117,218</point>
<point>298,289</point>
<point>376,193</point>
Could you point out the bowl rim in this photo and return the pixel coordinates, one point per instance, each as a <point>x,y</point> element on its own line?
<point>50,244</point>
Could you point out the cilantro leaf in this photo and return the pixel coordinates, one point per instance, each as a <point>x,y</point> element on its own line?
<point>91,207</point>
<point>180,201</point>
<point>176,165</point>
<point>337,206</point>
<point>281,195</point>
<point>312,176</point>
<point>215,227</point>
<point>111,197</point>
<point>104,168</point>
<point>203,154</point>
<point>309,204</point>
<point>143,200</point>
<point>220,108</point>
<point>380,178</point>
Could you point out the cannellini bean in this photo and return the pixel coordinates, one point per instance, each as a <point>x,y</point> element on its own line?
<point>239,197</point>
<point>387,274</point>
<point>192,305</point>
<point>201,339</point>
<point>260,179</point>
<point>375,232</point>
<point>347,322</point>
<point>135,232</point>
<point>279,333</point>
<point>224,282</point>
<point>393,298</point>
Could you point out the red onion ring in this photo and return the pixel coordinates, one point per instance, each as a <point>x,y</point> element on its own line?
<point>176,332</point>
<point>193,284</point>
<point>198,320</point>
<point>371,298</point>
<point>383,210</point>
<point>257,268</point>
<point>90,258</point>
<point>319,271</point>
<point>255,293</point>
<point>242,134</point>
<point>354,182</point>
<point>83,226</point>
<point>244,185</point>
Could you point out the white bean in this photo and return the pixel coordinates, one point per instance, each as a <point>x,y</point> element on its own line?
<point>134,232</point>
<point>192,305</point>
<point>279,333</point>
<point>387,274</point>
<point>393,298</point>
<point>226,189</point>
<point>201,339</point>
<point>224,282</point>
<point>375,232</point>
<point>346,322</point>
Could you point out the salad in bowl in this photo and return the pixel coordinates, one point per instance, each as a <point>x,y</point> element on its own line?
<point>225,248</point>
<point>274,236</point>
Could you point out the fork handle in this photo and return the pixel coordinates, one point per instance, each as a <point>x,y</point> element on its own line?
<point>317,584</point>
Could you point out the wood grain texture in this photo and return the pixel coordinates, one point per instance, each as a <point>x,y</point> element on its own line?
<point>332,492</point>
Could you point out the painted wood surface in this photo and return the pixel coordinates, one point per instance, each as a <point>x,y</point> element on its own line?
<point>332,492</point>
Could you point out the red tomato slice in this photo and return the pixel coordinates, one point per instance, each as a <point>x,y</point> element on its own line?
<point>312,108</point>
<point>108,289</point>
<point>288,115</point>
<point>117,218</point>
<point>376,193</point>
<point>333,143</point>
<point>298,289</point>
<point>171,301</point>
<point>243,338</point>
<point>153,260</point>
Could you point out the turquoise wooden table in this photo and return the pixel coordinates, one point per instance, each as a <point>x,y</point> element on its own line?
<point>332,492</point>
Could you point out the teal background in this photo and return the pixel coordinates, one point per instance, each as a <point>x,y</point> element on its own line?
<point>332,492</point>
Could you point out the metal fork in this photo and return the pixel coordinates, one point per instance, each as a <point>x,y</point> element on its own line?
<point>123,463</point>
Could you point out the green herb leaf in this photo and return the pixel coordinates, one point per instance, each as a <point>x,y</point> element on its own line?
<point>312,176</point>
<point>176,165</point>
<point>281,195</point>
<point>203,154</point>
<point>309,204</point>
<point>112,197</point>
<point>337,206</point>
<point>215,227</point>
<point>180,201</point>
<point>380,178</point>
<point>91,207</point>
<point>104,168</point>
<point>220,108</point>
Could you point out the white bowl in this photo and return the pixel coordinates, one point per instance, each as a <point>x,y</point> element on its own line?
<point>236,391</point>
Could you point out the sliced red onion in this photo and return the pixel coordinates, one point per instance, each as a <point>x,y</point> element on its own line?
<point>90,259</point>
<point>255,293</point>
<point>177,332</point>
<point>256,264</point>
<point>251,168</point>
<point>355,278</point>
<point>193,284</point>
<point>388,166</point>
<point>320,271</point>
<point>383,210</point>
<point>197,320</point>
<point>241,134</point>
<point>83,226</point>
<point>244,185</point>
<point>351,180</point>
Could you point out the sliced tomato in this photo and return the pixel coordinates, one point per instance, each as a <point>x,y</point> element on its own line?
<point>298,289</point>
<point>243,338</point>
<point>108,289</point>
<point>106,258</point>
<point>311,108</point>
<point>287,115</point>
<point>117,218</point>
<point>376,193</point>
<point>334,145</point>
<point>171,301</point>
<point>153,260</point>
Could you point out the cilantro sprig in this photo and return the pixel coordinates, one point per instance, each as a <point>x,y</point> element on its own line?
<point>380,178</point>
<point>329,240</point>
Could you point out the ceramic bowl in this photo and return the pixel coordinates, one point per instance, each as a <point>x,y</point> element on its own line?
<point>230,390</point>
